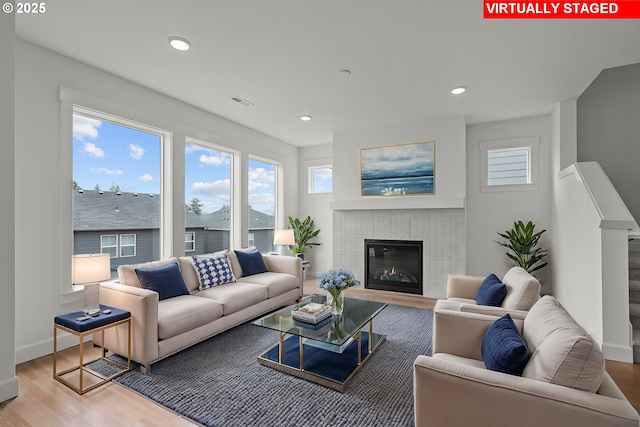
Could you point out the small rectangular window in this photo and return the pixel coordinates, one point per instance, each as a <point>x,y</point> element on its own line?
<point>507,167</point>
<point>109,245</point>
<point>189,241</point>
<point>127,245</point>
<point>510,164</point>
<point>320,179</point>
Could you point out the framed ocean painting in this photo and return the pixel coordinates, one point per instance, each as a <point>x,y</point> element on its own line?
<point>398,170</point>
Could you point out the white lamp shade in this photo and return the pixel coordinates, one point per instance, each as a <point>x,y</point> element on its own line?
<point>90,268</point>
<point>283,237</point>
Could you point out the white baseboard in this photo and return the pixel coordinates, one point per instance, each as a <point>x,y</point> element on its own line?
<point>45,347</point>
<point>619,353</point>
<point>8,388</point>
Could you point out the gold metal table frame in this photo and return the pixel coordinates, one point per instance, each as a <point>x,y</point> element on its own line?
<point>293,333</point>
<point>82,366</point>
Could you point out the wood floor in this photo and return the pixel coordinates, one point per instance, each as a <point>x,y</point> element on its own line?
<point>43,401</point>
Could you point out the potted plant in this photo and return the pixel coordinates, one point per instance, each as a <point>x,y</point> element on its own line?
<point>303,232</point>
<point>522,242</point>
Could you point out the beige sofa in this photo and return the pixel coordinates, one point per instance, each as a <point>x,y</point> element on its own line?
<point>563,383</point>
<point>161,328</point>
<point>523,290</point>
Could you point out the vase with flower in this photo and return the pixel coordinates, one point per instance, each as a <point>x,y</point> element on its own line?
<point>335,282</point>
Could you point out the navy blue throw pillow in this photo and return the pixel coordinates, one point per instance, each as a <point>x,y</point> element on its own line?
<point>503,348</point>
<point>251,262</point>
<point>166,281</point>
<point>491,292</point>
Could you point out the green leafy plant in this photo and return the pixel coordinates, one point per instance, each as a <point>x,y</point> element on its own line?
<point>522,241</point>
<point>303,232</point>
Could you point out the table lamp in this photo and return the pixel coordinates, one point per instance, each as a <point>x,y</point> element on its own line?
<point>283,238</point>
<point>88,270</point>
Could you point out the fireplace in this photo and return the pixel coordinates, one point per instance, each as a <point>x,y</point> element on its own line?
<point>393,265</point>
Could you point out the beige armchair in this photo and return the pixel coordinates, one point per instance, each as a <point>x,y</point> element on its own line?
<point>523,290</point>
<point>563,383</point>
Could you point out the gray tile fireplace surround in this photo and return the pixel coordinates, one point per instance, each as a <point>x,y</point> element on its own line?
<point>441,230</point>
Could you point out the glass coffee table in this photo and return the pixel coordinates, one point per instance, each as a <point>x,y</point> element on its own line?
<point>329,353</point>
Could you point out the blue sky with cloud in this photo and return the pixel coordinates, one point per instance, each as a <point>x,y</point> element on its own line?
<point>106,154</point>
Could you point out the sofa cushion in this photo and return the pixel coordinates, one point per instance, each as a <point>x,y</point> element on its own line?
<point>213,271</point>
<point>523,290</point>
<point>251,262</point>
<point>235,296</point>
<point>503,348</point>
<point>184,313</point>
<point>562,352</point>
<point>127,272</point>
<point>276,283</point>
<point>491,292</point>
<point>166,281</point>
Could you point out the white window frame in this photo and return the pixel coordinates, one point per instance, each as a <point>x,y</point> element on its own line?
<point>102,246</point>
<point>135,243</point>
<point>192,241</point>
<point>73,101</point>
<point>310,179</point>
<point>530,143</point>
<point>251,239</point>
<point>277,188</point>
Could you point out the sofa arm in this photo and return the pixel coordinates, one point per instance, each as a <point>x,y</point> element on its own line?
<point>462,286</point>
<point>284,264</point>
<point>494,311</point>
<point>452,394</point>
<point>143,305</point>
<point>459,333</point>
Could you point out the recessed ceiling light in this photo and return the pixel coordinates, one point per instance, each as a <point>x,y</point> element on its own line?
<point>305,118</point>
<point>179,43</point>
<point>458,90</point>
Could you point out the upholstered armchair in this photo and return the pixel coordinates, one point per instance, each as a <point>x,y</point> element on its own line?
<point>562,384</point>
<point>523,290</point>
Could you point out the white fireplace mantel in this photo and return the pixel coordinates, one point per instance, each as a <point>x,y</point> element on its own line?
<point>398,203</point>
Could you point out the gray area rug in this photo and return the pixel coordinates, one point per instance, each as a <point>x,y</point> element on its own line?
<point>220,383</point>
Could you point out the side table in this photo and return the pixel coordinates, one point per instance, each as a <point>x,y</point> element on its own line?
<point>98,324</point>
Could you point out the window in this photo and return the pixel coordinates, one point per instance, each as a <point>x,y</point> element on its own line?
<point>252,239</point>
<point>262,203</point>
<point>320,179</point>
<point>117,187</point>
<point>509,164</point>
<point>189,241</point>
<point>127,245</point>
<point>208,180</point>
<point>109,245</point>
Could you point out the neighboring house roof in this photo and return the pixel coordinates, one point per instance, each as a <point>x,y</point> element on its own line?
<point>97,210</point>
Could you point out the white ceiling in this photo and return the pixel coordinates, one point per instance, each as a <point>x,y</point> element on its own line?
<point>284,56</point>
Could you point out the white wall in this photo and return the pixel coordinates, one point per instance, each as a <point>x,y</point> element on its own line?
<point>608,129</point>
<point>316,206</point>
<point>589,243</point>
<point>8,380</point>
<point>43,172</point>
<point>491,212</point>
<point>449,136</point>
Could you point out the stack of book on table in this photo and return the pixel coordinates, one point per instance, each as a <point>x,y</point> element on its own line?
<point>311,313</point>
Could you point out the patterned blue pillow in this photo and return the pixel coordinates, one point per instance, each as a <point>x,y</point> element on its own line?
<point>213,271</point>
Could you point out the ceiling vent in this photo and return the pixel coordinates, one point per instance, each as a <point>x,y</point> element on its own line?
<point>242,101</point>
